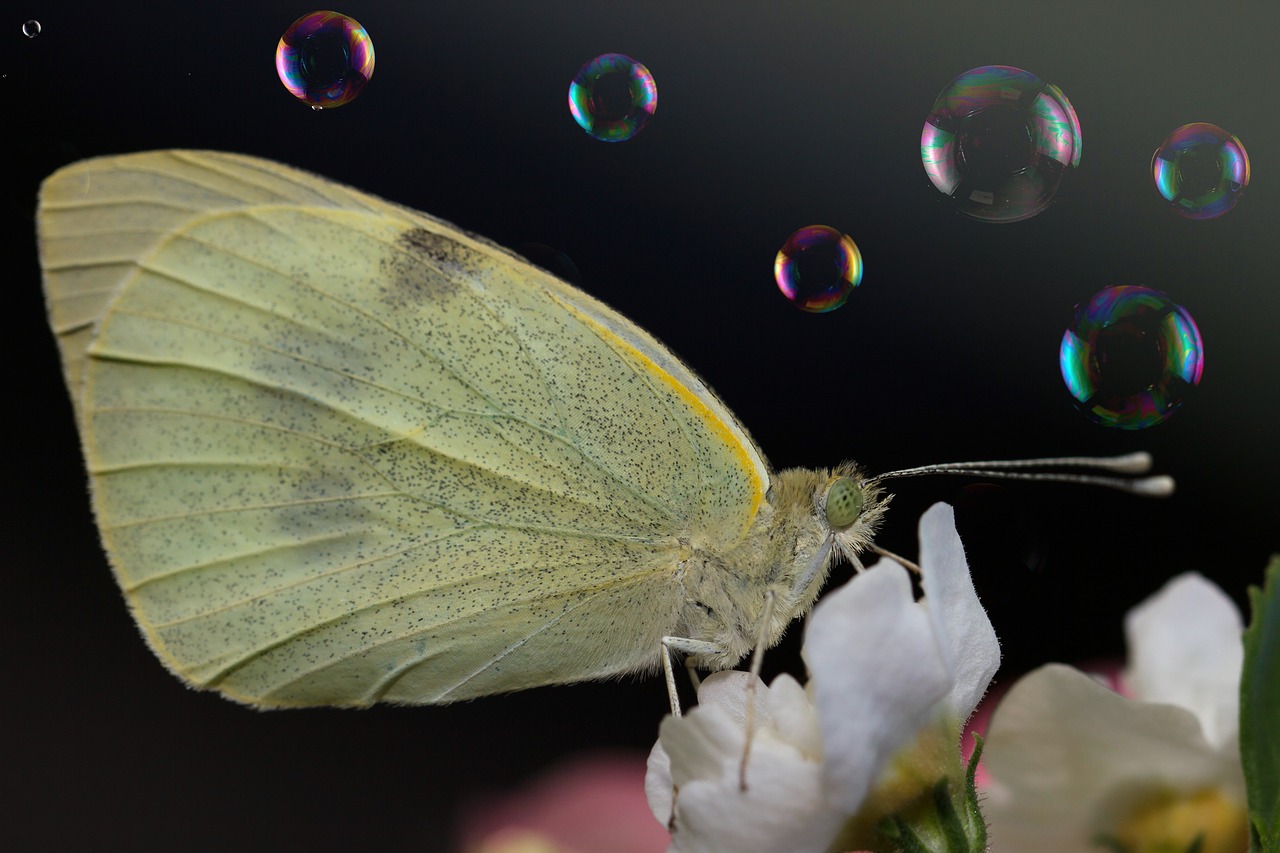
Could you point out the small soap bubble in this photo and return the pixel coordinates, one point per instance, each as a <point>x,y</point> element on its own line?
<point>1131,357</point>
<point>817,268</point>
<point>999,141</point>
<point>1201,170</point>
<point>612,97</point>
<point>552,260</point>
<point>31,29</point>
<point>325,59</point>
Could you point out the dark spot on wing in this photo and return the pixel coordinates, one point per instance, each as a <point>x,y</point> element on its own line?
<point>436,247</point>
<point>428,267</point>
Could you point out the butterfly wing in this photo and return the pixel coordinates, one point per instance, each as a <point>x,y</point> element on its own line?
<point>342,452</point>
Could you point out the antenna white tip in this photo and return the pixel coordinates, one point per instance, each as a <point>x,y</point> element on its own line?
<point>1155,487</point>
<point>1132,463</point>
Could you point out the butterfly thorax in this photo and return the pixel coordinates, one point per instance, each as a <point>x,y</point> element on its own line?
<point>787,551</point>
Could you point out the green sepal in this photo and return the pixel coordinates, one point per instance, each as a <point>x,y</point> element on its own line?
<point>977,823</point>
<point>946,821</point>
<point>1260,713</point>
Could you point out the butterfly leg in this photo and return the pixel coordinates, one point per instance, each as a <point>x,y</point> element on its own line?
<point>692,671</point>
<point>757,659</point>
<point>684,646</point>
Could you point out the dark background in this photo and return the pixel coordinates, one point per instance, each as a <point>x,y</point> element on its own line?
<point>771,116</point>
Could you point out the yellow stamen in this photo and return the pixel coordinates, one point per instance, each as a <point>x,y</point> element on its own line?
<point>1170,822</point>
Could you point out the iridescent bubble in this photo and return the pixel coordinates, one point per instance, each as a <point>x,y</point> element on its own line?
<point>1131,357</point>
<point>552,260</point>
<point>999,141</point>
<point>817,268</point>
<point>31,29</point>
<point>325,59</point>
<point>1201,170</point>
<point>613,97</point>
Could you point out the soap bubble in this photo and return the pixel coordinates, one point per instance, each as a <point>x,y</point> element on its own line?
<point>552,260</point>
<point>999,141</point>
<point>612,97</point>
<point>817,268</point>
<point>1131,356</point>
<point>325,59</point>
<point>31,29</point>
<point>1201,170</point>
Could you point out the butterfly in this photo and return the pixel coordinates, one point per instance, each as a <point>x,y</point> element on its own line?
<point>342,452</point>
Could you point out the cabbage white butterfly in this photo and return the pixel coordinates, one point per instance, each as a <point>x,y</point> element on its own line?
<point>342,452</point>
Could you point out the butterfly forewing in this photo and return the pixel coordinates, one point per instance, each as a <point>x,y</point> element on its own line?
<point>342,452</point>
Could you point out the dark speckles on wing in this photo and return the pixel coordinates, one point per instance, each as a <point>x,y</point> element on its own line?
<point>427,267</point>
<point>343,453</point>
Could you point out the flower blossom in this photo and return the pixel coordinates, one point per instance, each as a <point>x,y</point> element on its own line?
<point>1074,765</point>
<point>869,737</point>
<point>590,803</point>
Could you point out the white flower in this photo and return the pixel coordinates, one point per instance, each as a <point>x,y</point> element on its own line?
<point>885,673</point>
<point>1072,762</point>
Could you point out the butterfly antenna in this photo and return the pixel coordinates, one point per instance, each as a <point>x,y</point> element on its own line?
<point>1132,464</point>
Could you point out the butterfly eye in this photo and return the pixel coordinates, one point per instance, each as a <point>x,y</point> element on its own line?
<point>844,503</point>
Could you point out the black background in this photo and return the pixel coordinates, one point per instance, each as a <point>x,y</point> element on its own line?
<point>771,116</point>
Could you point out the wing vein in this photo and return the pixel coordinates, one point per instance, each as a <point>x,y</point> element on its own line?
<point>258,345</point>
<point>342,303</point>
<point>179,516</point>
<point>133,586</point>
<point>520,643</point>
<point>313,187</point>
<point>232,666</point>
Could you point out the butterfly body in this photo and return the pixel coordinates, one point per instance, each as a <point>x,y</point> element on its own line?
<point>342,452</point>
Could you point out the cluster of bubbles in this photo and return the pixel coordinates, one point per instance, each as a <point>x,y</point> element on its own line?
<point>325,59</point>
<point>1201,170</point>
<point>612,97</point>
<point>817,268</point>
<point>1131,356</point>
<point>999,141</point>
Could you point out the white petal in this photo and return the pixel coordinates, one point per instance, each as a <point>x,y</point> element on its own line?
<point>782,808</point>
<point>698,742</point>
<point>968,641</point>
<point>1068,757</point>
<point>696,745</point>
<point>795,720</point>
<point>876,675</point>
<point>1185,648</point>
<point>658,789</point>
<point>729,688</point>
